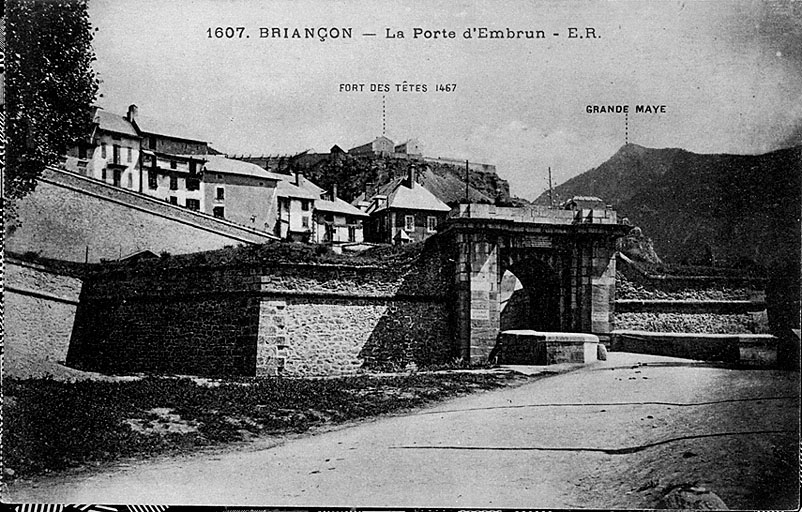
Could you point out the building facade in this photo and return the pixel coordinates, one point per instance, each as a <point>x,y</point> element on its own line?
<point>380,146</point>
<point>238,191</point>
<point>403,211</point>
<point>111,153</point>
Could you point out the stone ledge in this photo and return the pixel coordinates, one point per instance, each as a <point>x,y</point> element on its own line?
<point>545,348</point>
<point>749,349</point>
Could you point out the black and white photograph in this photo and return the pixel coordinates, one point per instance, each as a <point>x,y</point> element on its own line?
<point>407,254</point>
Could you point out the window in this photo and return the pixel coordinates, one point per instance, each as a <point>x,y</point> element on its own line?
<point>130,155</point>
<point>103,174</point>
<point>173,182</point>
<point>130,181</point>
<point>219,212</point>
<point>173,200</point>
<point>431,224</point>
<point>221,194</point>
<point>352,233</point>
<point>305,205</point>
<point>153,182</point>
<point>193,168</point>
<point>103,150</point>
<point>82,152</point>
<point>193,183</point>
<point>305,222</point>
<point>193,204</point>
<point>409,223</point>
<point>173,165</point>
<point>116,154</point>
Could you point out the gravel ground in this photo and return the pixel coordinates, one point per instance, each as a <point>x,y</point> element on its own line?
<point>617,434</point>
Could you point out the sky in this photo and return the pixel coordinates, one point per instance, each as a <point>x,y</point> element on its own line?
<point>729,74</point>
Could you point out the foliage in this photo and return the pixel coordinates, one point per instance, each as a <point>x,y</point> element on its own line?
<point>50,85</point>
<point>53,425</point>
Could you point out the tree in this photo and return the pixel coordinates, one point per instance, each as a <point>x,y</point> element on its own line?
<point>50,86</point>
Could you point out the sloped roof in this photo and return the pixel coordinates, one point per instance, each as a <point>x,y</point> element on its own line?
<point>338,206</point>
<point>159,126</point>
<point>287,189</point>
<point>415,198</point>
<point>450,189</point>
<point>217,163</point>
<point>113,123</point>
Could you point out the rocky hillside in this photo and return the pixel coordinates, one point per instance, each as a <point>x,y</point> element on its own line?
<point>703,208</point>
<point>353,174</point>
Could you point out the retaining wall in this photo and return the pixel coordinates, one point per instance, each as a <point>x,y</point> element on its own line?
<point>752,349</point>
<point>40,307</point>
<point>693,304</point>
<point>277,319</point>
<point>68,213</point>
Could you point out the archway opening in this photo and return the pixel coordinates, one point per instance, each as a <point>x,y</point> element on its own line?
<point>529,298</point>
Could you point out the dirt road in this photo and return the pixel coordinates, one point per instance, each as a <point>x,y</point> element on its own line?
<point>616,434</point>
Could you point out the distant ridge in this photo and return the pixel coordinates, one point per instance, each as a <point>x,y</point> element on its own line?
<point>737,207</point>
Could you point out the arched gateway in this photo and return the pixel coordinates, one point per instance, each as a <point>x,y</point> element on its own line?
<point>564,260</point>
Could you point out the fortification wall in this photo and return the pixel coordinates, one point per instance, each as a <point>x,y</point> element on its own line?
<point>71,217</point>
<point>689,304</point>
<point>40,307</point>
<point>277,319</point>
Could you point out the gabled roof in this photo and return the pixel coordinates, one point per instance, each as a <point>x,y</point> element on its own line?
<point>338,206</point>
<point>415,198</point>
<point>109,122</point>
<point>221,164</point>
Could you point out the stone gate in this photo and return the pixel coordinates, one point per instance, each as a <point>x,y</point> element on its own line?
<point>565,260</point>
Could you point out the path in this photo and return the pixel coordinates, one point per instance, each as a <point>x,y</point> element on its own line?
<point>590,438</point>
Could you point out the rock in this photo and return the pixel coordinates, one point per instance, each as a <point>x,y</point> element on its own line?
<point>601,352</point>
<point>691,498</point>
<point>8,472</point>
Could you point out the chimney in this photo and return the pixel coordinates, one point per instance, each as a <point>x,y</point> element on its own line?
<point>297,178</point>
<point>410,176</point>
<point>334,192</point>
<point>133,110</point>
<point>370,190</point>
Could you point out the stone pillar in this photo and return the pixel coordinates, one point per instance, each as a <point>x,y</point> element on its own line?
<point>603,288</point>
<point>478,314</point>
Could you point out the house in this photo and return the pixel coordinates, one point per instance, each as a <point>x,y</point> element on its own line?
<point>110,153</point>
<point>173,178</point>
<point>295,200</point>
<point>403,211</point>
<point>410,148</point>
<point>337,222</point>
<point>381,146</point>
<point>307,213</point>
<point>238,191</point>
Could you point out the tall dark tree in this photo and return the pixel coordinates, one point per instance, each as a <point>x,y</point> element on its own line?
<point>50,85</point>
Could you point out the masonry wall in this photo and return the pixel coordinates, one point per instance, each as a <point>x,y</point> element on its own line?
<point>279,319</point>
<point>68,213</point>
<point>40,307</point>
<point>712,305</point>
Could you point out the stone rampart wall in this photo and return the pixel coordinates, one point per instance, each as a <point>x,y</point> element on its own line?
<point>39,311</point>
<point>74,218</point>
<point>279,319</point>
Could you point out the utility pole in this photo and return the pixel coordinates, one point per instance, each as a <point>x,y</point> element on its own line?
<point>551,191</point>
<point>467,176</point>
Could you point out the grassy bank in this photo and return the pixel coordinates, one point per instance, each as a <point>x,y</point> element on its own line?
<point>52,425</point>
